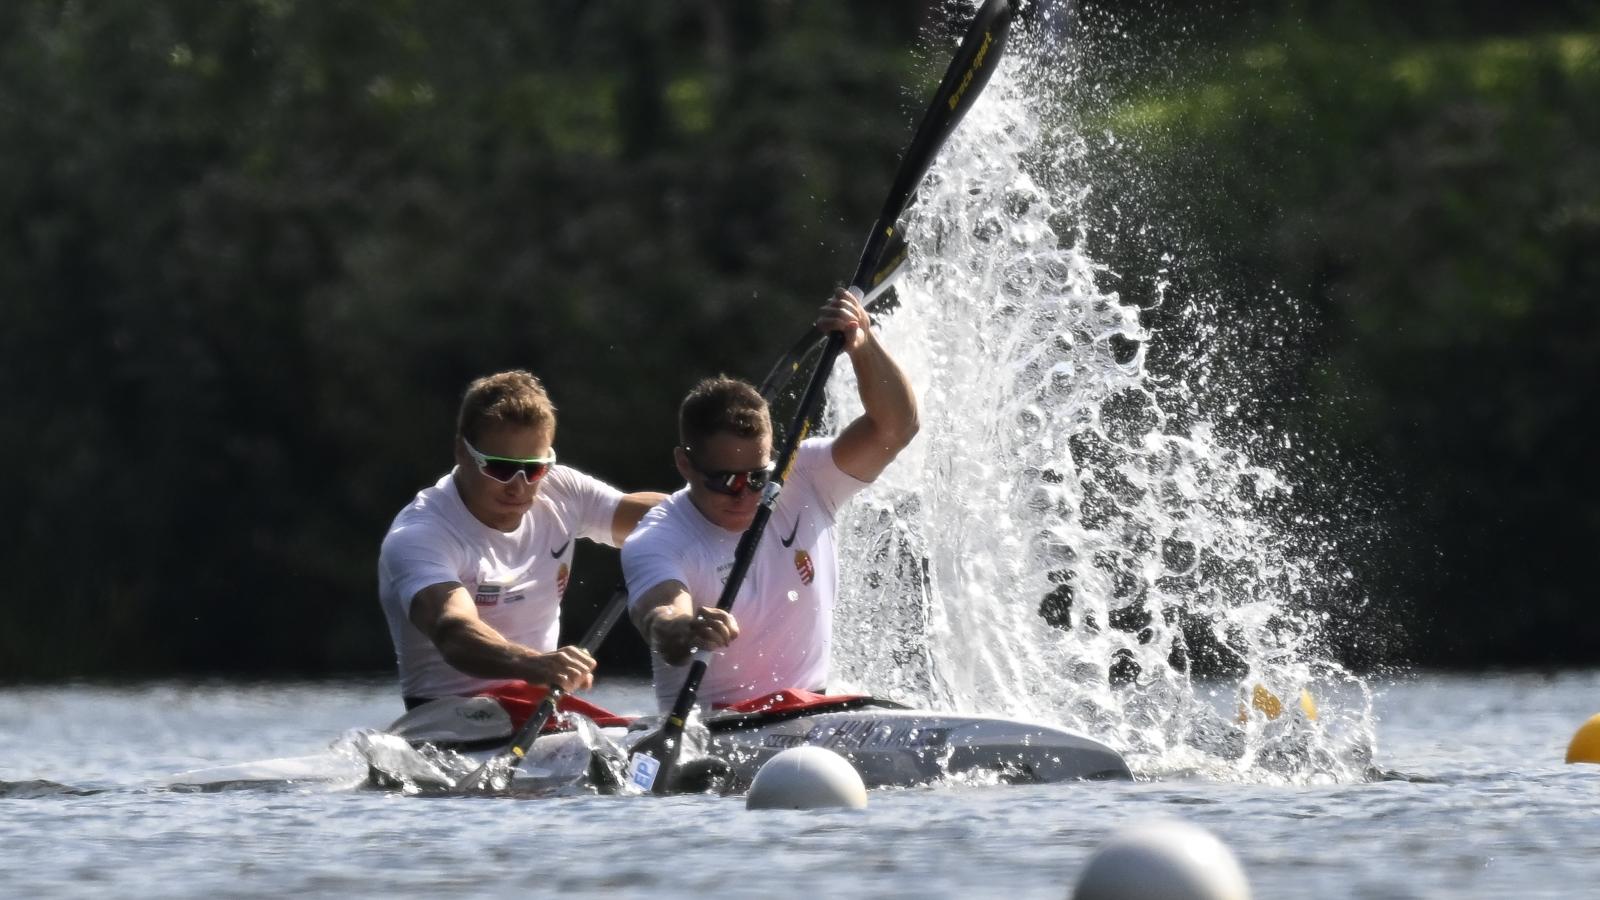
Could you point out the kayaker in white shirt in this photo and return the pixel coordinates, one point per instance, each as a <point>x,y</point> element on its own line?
<point>472,572</point>
<point>779,633</point>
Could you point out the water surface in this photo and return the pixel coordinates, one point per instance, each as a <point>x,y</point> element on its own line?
<point>1477,804</point>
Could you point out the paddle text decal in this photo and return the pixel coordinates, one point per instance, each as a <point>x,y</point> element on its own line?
<point>977,63</point>
<point>642,771</point>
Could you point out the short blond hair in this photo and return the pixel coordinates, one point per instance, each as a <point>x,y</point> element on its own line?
<point>504,398</point>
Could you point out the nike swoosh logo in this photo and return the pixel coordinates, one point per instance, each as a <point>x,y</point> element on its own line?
<point>792,532</point>
<point>561,549</point>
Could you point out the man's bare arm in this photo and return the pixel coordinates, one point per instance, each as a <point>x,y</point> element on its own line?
<point>630,509</point>
<point>669,621</point>
<point>889,418</point>
<point>447,615</point>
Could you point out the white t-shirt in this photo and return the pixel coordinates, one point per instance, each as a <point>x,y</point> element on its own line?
<point>516,577</point>
<point>784,607</point>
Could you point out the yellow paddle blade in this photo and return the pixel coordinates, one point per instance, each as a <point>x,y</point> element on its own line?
<point>1268,704</point>
<point>1308,704</point>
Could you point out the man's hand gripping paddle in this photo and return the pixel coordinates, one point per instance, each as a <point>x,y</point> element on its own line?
<point>655,756</point>
<point>879,296</point>
<point>499,769</point>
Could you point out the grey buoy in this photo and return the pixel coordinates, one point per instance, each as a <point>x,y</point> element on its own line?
<point>1163,860</point>
<point>807,777</point>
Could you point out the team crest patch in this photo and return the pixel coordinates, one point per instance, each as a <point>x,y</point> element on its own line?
<point>802,564</point>
<point>488,594</point>
<point>561,580</point>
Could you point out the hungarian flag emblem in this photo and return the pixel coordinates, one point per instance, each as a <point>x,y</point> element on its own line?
<point>561,580</point>
<point>802,564</point>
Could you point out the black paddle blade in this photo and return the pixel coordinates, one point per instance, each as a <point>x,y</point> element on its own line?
<point>608,766</point>
<point>703,775</point>
<point>970,69</point>
<point>674,774</point>
<point>652,759</point>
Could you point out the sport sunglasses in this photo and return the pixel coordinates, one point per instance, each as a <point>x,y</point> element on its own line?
<point>505,468</point>
<point>733,483</point>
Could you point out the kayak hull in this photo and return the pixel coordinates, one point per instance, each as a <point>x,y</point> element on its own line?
<point>899,747</point>
<point>432,747</point>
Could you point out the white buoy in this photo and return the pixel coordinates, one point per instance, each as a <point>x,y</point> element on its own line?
<point>807,777</point>
<point>1163,860</point>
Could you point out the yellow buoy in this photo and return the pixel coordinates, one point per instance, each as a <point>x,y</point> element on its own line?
<point>1585,746</point>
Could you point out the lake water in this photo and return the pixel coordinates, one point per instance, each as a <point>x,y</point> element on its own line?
<point>1476,803</point>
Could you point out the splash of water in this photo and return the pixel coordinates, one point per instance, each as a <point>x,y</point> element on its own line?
<point>1061,543</point>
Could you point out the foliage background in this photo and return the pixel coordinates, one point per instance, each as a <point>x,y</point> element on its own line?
<point>251,252</point>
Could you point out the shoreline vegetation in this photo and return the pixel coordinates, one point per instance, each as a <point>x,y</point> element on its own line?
<point>253,252</point>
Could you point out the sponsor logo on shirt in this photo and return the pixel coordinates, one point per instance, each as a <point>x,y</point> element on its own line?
<point>789,541</point>
<point>561,549</point>
<point>802,564</point>
<point>489,594</point>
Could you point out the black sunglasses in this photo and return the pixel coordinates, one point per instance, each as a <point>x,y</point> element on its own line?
<point>733,483</point>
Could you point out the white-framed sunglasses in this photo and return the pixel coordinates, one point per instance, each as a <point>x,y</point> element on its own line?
<point>505,468</point>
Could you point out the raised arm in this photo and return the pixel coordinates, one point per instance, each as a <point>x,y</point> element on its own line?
<point>447,615</point>
<point>669,621</point>
<point>889,418</point>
